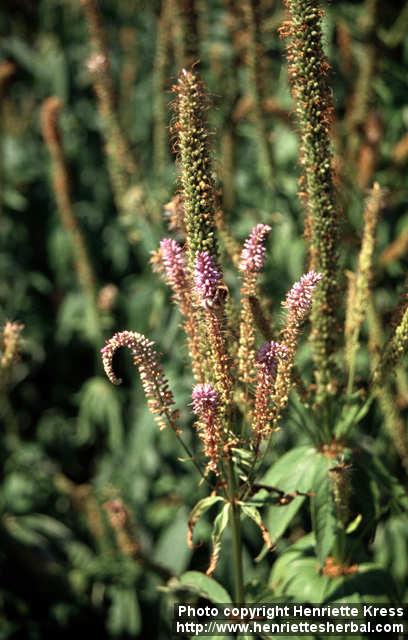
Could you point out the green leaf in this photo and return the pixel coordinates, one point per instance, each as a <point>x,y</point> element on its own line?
<point>294,471</point>
<point>351,414</point>
<point>77,316</point>
<point>219,526</point>
<point>124,612</point>
<point>278,518</point>
<point>323,511</point>
<point>375,490</point>
<point>391,545</point>
<point>200,508</point>
<point>205,586</point>
<point>296,573</point>
<point>371,582</point>
<point>255,516</point>
<point>304,419</point>
<point>243,459</point>
<point>100,406</point>
<point>23,534</point>
<point>354,524</point>
<point>171,550</point>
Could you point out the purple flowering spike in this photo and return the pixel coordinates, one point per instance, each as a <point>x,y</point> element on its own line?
<point>253,253</point>
<point>174,262</point>
<point>269,355</point>
<point>205,405</point>
<point>205,399</point>
<point>207,279</point>
<point>299,299</point>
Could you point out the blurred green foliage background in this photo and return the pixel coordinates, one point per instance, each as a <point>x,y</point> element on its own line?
<point>71,442</point>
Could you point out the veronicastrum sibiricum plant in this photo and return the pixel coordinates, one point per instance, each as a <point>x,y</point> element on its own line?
<point>238,395</point>
<point>247,383</point>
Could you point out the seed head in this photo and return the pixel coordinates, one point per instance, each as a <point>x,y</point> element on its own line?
<point>196,175</point>
<point>10,343</point>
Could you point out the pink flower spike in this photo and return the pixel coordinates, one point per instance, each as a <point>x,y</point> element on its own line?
<point>206,279</point>
<point>155,386</point>
<point>205,399</point>
<point>253,253</point>
<point>127,339</point>
<point>173,262</point>
<point>269,355</point>
<point>299,298</point>
<point>205,406</point>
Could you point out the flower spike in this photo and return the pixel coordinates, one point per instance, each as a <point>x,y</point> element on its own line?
<point>308,72</point>
<point>298,304</point>
<point>159,397</point>
<point>205,405</point>
<point>253,254</point>
<point>268,358</point>
<point>299,299</point>
<point>174,265</point>
<point>207,279</point>
<point>251,263</point>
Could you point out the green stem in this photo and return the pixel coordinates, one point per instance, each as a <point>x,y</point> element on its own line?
<point>327,428</point>
<point>188,451</point>
<point>350,383</point>
<point>185,446</point>
<point>235,523</point>
<point>339,550</point>
<point>352,364</point>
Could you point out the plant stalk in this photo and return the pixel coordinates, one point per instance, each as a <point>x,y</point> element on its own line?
<point>235,523</point>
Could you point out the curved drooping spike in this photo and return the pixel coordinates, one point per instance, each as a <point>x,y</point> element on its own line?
<point>155,385</point>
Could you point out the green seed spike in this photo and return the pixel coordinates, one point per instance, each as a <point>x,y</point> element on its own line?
<point>314,109</point>
<point>197,182</point>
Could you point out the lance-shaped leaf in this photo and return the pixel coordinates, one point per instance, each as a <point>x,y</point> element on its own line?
<point>220,524</point>
<point>255,516</point>
<point>324,519</point>
<point>205,586</point>
<point>200,508</point>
